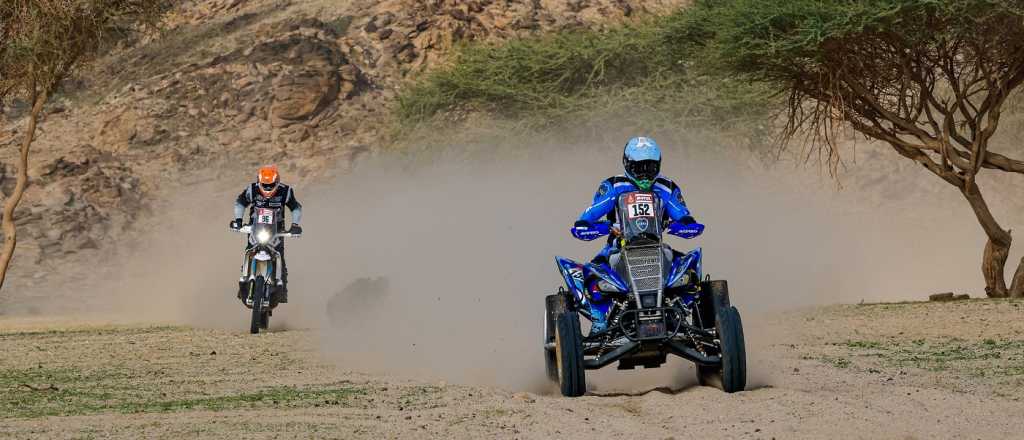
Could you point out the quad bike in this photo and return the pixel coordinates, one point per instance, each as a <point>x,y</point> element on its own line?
<point>261,266</point>
<point>654,303</point>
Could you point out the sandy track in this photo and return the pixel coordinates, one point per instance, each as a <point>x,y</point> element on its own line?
<point>879,371</point>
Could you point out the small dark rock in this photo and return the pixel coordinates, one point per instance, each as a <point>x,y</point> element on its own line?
<point>371,27</point>
<point>459,14</point>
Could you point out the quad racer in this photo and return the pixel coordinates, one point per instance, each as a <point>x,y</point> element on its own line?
<point>641,160</point>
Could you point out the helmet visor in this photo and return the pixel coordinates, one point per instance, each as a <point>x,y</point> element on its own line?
<point>643,169</point>
<point>268,188</point>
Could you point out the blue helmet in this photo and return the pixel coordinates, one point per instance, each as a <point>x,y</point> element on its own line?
<point>642,160</point>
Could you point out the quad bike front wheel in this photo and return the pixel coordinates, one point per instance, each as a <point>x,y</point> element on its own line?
<point>734,353</point>
<point>554,305</point>
<point>732,373</point>
<point>569,355</point>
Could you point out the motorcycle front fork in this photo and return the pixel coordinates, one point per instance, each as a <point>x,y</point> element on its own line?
<point>247,269</point>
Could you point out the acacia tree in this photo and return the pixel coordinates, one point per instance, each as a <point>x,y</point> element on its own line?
<point>928,77</point>
<point>42,42</point>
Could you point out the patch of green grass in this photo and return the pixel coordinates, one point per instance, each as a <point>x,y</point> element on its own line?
<point>835,361</point>
<point>421,397</point>
<point>870,345</point>
<point>93,331</point>
<point>987,358</point>
<point>632,71</point>
<point>63,392</point>
<point>277,397</point>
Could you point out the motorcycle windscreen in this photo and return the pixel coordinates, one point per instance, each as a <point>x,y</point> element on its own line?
<point>264,226</point>
<point>639,215</point>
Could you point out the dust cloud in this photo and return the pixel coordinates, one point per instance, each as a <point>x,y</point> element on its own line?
<point>454,249</point>
<point>433,262</point>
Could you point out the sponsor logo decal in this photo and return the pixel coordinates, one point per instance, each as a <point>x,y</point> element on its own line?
<point>576,274</point>
<point>642,224</point>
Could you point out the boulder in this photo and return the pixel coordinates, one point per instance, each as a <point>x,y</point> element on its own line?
<point>126,128</point>
<point>301,96</point>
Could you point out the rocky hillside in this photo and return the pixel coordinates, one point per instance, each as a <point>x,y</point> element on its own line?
<point>232,83</point>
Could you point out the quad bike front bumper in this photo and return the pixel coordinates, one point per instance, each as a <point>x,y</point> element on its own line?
<point>650,336</point>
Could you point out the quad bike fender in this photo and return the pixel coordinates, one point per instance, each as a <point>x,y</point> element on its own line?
<point>683,263</point>
<point>607,274</point>
<point>574,274</point>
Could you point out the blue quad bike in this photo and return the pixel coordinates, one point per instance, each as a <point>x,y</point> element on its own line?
<point>654,301</point>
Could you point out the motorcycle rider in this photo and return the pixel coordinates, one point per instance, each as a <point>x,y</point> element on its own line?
<point>269,193</point>
<point>641,159</point>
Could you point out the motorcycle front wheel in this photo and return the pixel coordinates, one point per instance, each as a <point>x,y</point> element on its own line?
<point>260,317</point>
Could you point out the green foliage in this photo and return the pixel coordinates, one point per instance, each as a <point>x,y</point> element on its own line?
<point>537,74</point>
<point>628,71</point>
<point>989,357</point>
<point>773,40</point>
<point>915,74</point>
<point>42,41</point>
<point>69,391</point>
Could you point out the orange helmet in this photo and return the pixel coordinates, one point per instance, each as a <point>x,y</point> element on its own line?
<point>268,180</point>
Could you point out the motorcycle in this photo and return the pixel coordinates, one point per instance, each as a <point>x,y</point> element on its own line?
<point>261,264</point>
<point>653,301</point>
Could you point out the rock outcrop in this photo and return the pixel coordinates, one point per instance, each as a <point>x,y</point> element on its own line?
<point>234,83</point>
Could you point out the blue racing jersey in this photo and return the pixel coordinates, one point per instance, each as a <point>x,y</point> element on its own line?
<point>611,188</point>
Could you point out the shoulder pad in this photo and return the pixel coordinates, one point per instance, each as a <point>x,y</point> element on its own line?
<point>618,179</point>
<point>667,182</point>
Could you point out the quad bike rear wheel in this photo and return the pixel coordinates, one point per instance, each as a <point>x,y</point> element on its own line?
<point>569,355</point>
<point>732,373</point>
<point>554,305</point>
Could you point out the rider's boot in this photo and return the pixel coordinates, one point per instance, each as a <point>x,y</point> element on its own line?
<point>243,289</point>
<point>600,319</point>
<point>598,308</point>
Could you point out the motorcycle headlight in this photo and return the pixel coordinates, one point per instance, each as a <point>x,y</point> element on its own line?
<point>605,286</point>
<point>263,236</point>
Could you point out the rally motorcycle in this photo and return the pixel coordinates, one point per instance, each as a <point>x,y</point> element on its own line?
<point>654,301</point>
<point>261,268</point>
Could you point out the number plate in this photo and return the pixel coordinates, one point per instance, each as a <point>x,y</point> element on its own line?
<point>265,216</point>
<point>639,205</point>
